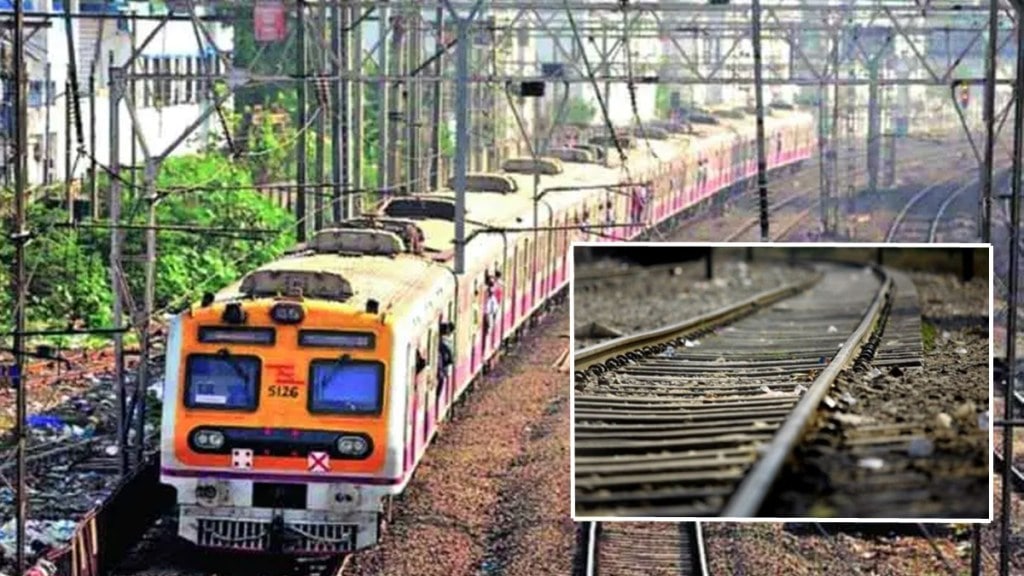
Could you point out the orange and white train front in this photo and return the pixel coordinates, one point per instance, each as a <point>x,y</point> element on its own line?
<point>275,425</point>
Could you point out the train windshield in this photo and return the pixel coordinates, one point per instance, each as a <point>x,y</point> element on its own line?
<point>222,381</point>
<point>346,386</point>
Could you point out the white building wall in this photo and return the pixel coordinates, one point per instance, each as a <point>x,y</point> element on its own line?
<point>161,125</point>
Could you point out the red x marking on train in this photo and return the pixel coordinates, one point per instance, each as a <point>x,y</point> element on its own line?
<point>319,462</point>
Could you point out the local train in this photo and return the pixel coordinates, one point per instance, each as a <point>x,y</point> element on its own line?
<point>299,400</point>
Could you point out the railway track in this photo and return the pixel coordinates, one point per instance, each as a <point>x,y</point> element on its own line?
<point>696,419</point>
<point>805,205</point>
<point>643,549</point>
<point>920,217</point>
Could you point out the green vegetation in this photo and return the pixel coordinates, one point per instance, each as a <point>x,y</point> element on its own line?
<point>579,112</point>
<point>663,101</point>
<point>928,335</point>
<point>69,280</point>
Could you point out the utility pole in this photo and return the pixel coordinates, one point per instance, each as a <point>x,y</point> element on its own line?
<point>436,104</point>
<point>47,102</point>
<point>874,125</point>
<point>462,25</point>
<point>833,160</point>
<point>114,207</point>
<point>357,107</point>
<point>823,172</point>
<point>19,236</point>
<point>94,194</point>
<point>989,119</point>
<point>1011,322</point>
<point>68,196</point>
<point>300,145</point>
<point>762,165</point>
<point>398,30</point>
<point>383,102</point>
<point>149,180</point>
<point>321,122</point>
<point>412,103</point>
<point>340,136</point>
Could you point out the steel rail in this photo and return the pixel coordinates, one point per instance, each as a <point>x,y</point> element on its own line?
<point>902,215</point>
<point>815,204</point>
<point>933,229</point>
<point>754,487</point>
<point>596,358</point>
<point>1016,476</point>
<point>697,558</point>
<point>591,554</point>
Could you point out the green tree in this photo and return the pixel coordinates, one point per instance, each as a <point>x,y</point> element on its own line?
<point>579,112</point>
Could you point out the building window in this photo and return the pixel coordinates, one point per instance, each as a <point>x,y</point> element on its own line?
<point>188,79</point>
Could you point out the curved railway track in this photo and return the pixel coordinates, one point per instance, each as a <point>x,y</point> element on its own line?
<point>921,216</point>
<point>696,419</point>
<point>643,549</point>
<point>805,205</point>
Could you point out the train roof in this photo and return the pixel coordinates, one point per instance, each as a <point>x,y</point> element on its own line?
<point>386,277</point>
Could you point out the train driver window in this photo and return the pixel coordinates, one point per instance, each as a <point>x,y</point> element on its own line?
<point>222,381</point>
<point>346,386</point>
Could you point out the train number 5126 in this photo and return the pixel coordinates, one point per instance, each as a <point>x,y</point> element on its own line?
<point>284,391</point>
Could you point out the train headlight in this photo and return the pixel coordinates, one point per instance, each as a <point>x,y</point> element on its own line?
<point>354,446</point>
<point>208,439</point>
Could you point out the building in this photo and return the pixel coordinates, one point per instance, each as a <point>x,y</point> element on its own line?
<point>165,107</point>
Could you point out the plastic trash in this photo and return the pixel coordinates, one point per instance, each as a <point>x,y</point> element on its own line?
<point>691,343</point>
<point>920,448</point>
<point>871,463</point>
<point>961,351</point>
<point>800,389</point>
<point>873,374</point>
<point>832,329</point>
<point>848,398</point>
<point>668,352</point>
<point>45,421</point>
<point>983,420</point>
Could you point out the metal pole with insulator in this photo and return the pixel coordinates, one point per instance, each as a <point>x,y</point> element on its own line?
<point>117,87</point>
<point>19,236</point>
<point>988,112</point>
<point>300,145</point>
<point>1011,325</point>
<point>762,166</point>
<point>341,167</point>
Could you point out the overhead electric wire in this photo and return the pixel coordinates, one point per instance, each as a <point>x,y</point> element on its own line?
<point>597,90</point>
<point>631,84</point>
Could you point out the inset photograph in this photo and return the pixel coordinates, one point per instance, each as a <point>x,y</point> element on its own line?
<point>797,381</point>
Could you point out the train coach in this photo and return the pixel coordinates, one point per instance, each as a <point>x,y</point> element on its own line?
<point>299,401</point>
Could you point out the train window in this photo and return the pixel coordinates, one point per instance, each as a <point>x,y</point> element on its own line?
<point>336,339</point>
<point>344,386</point>
<point>236,335</point>
<point>222,382</point>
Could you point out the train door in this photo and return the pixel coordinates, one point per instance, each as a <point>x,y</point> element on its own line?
<point>410,408</point>
<point>421,383</point>
<point>430,384</point>
<point>513,285</point>
<point>476,334</point>
<point>446,386</point>
<point>529,282</point>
